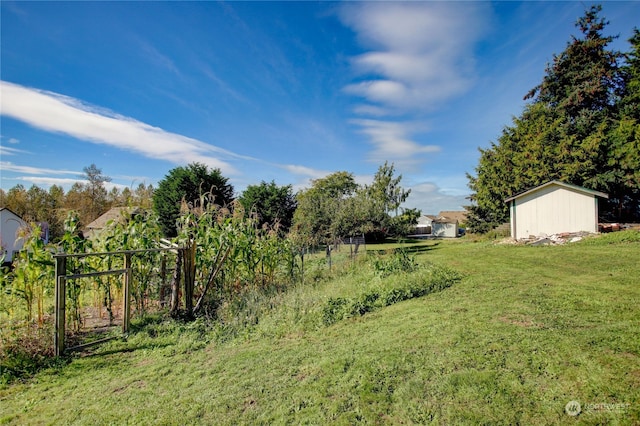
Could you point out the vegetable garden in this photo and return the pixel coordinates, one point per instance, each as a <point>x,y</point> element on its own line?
<point>218,256</point>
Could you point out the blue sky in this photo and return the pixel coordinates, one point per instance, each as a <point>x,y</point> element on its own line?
<point>283,91</point>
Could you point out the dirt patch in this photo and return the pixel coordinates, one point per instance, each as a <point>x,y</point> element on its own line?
<point>250,404</point>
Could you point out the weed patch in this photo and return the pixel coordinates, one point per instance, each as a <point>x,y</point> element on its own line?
<point>25,351</point>
<point>621,237</point>
<point>421,281</point>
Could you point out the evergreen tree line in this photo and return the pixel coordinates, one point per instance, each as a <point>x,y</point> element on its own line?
<point>582,126</point>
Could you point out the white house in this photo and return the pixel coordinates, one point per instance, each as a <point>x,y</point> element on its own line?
<point>10,223</point>
<point>552,208</point>
<point>423,226</point>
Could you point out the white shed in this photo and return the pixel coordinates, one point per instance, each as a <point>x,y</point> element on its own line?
<point>552,208</point>
<point>444,227</point>
<point>10,223</point>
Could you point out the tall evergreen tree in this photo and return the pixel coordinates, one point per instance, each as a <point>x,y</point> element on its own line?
<point>630,102</point>
<point>623,166</point>
<point>191,185</point>
<point>584,81</point>
<point>569,132</point>
<point>270,204</point>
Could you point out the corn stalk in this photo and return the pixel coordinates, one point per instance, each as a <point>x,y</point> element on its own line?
<point>73,242</point>
<point>232,256</point>
<point>33,272</point>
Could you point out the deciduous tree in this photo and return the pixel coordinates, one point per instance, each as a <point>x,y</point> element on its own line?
<point>319,205</point>
<point>95,191</point>
<point>336,207</point>
<point>386,189</point>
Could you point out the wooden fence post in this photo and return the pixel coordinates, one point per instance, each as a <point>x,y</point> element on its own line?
<point>189,277</point>
<point>163,281</point>
<point>58,339</point>
<point>302,265</point>
<point>126,289</point>
<point>175,283</point>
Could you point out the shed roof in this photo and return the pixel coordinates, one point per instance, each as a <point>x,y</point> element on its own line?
<point>443,219</point>
<point>577,188</point>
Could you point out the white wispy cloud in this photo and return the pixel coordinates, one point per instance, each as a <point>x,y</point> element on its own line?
<point>47,181</point>
<point>303,175</point>
<point>10,167</point>
<point>430,198</point>
<point>392,142</point>
<point>64,182</point>
<point>62,114</point>
<point>304,171</point>
<point>110,185</point>
<point>371,110</point>
<point>421,52</point>
<point>222,85</point>
<point>5,150</point>
<point>156,57</point>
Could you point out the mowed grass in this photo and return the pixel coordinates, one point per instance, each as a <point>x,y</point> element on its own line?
<point>526,331</point>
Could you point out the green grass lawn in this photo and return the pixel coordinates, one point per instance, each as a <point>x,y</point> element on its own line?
<point>526,331</point>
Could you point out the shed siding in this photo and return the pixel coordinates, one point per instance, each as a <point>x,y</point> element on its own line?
<point>447,230</point>
<point>553,210</point>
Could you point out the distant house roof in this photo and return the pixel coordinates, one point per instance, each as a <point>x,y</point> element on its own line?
<point>452,216</point>
<point>561,184</point>
<point>113,214</point>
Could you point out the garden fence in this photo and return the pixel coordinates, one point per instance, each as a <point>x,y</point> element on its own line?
<point>65,275</point>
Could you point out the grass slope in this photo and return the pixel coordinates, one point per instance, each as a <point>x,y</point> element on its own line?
<point>527,330</point>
